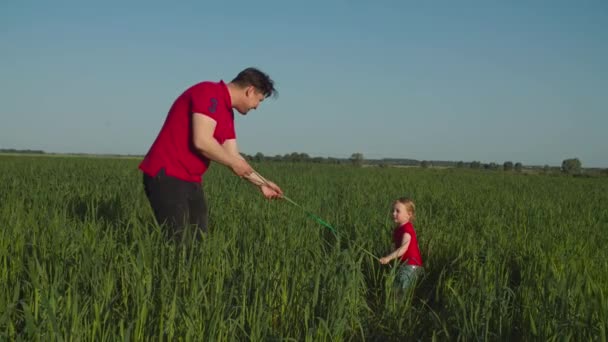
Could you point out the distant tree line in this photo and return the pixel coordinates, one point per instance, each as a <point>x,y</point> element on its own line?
<point>13,150</point>
<point>293,157</point>
<point>570,166</point>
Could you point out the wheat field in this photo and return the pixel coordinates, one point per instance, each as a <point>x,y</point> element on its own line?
<point>507,256</point>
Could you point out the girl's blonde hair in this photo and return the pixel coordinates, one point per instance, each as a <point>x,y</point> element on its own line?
<point>409,204</point>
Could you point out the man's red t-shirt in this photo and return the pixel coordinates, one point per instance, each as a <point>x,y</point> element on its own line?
<point>173,149</point>
<point>412,255</point>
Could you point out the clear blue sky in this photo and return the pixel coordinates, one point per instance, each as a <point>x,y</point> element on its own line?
<point>491,81</point>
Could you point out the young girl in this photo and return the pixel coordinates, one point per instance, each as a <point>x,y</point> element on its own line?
<point>406,243</point>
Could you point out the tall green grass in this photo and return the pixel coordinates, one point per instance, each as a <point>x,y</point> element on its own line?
<point>507,256</point>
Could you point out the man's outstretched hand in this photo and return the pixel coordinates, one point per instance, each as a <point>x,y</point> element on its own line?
<point>271,190</point>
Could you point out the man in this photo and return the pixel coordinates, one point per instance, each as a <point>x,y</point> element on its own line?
<point>199,128</point>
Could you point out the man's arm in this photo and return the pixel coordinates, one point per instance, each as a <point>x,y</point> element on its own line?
<point>255,178</point>
<point>231,147</point>
<point>202,139</point>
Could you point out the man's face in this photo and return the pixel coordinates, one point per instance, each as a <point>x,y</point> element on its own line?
<point>251,100</point>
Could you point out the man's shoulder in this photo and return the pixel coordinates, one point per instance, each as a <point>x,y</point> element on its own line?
<point>207,91</point>
<point>205,86</point>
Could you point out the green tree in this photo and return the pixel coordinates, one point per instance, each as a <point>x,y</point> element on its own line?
<point>460,164</point>
<point>424,164</point>
<point>507,166</point>
<point>258,157</point>
<point>475,165</point>
<point>571,166</point>
<point>294,157</point>
<point>357,159</point>
<point>518,167</point>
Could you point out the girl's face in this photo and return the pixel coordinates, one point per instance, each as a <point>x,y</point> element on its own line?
<point>400,213</point>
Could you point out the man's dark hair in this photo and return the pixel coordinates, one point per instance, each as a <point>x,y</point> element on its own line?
<point>258,79</point>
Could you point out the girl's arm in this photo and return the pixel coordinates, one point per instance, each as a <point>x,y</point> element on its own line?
<point>399,251</point>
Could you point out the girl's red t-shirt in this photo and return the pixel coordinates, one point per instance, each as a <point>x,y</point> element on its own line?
<point>412,255</point>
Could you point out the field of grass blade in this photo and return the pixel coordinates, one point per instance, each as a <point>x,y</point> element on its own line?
<point>507,256</point>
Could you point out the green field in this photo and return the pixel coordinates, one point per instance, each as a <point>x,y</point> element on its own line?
<point>507,256</point>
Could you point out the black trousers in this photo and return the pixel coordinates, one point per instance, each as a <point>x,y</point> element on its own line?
<point>177,204</point>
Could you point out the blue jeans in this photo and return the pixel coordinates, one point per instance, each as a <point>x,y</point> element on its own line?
<point>407,275</point>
